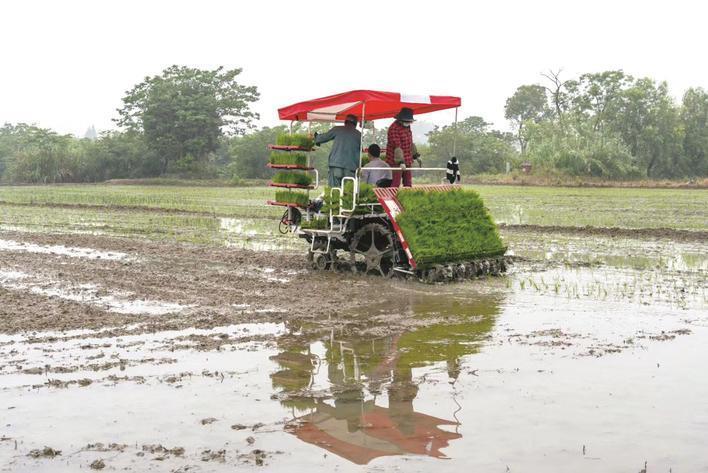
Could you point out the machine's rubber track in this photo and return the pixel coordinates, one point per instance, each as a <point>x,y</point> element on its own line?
<point>373,250</point>
<point>495,266</point>
<point>347,261</point>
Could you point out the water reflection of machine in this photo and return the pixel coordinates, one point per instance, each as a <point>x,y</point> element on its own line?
<point>348,417</point>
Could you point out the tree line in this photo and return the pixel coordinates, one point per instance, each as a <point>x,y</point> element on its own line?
<point>196,123</point>
<point>612,125</point>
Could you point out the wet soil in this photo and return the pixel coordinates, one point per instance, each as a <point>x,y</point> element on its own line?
<point>219,286</point>
<point>229,358</point>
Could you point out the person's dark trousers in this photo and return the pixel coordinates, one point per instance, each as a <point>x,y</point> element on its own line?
<point>336,174</point>
<point>407,179</point>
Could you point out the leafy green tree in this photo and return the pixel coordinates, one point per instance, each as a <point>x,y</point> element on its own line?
<point>580,151</point>
<point>529,103</point>
<point>479,148</point>
<point>36,155</point>
<point>595,97</point>
<point>646,118</point>
<point>375,133</point>
<point>249,153</point>
<point>694,120</point>
<point>559,95</point>
<point>184,111</point>
<point>8,146</point>
<point>39,155</point>
<point>116,155</point>
<point>612,113</point>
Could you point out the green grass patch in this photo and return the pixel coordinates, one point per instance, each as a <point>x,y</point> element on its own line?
<point>684,209</point>
<point>288,158</point>
<point>292,197</point>
<point>300,140</point>
<point>445,227</point>
<point>297,178</point>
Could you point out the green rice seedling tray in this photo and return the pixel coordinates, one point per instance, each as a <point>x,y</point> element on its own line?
<point>447,227</point>
<point>281,160</point>
<point>291,179</point>
<point>291,198</point>
<point>298,140</point>
<point>315,224</point>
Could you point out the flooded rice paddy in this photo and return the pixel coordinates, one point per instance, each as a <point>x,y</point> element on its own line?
<point>120,352</point>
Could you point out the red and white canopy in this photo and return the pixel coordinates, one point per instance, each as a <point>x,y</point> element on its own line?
<point>373,104</point>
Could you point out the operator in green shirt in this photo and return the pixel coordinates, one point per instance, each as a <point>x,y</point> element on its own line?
<point>344,157</point>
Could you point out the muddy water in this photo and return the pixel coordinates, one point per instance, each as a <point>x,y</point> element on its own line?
<point>86,294</point>
<point>10,245</point>
<point>588,356</point>
<point>493,379</point>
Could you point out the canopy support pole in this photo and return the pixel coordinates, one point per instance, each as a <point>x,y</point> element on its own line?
<point>454,136</point>
<point>361,141</point>
<point>357,174</point>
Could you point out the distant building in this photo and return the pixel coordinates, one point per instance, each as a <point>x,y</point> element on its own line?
<point>91,133</point>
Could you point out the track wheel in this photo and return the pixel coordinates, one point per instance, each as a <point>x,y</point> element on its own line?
<point>320,260</point>
<point>372,250</point>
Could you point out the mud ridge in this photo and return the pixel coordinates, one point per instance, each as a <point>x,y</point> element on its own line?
<point>671,233</point>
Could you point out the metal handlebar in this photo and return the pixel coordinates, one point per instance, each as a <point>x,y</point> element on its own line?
<point>355,192</point>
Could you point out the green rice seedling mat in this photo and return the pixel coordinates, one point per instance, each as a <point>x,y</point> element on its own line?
<point>447,227</point>
<point>295,178</point>
<point>292,197</point>
<point>300,140</point>
<point>315,224</point>
<point>288,159</point>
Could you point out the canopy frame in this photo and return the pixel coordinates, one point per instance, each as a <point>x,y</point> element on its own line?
<point>380,105</point>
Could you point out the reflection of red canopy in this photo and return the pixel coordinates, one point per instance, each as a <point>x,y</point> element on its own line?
<point>377,436</point>
<point>378,105</point>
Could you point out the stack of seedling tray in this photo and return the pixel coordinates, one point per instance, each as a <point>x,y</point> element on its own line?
<point>289,156</point>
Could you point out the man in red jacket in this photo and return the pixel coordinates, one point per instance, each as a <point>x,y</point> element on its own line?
<point>400,148</point>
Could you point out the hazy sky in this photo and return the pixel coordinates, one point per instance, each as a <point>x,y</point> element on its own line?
<point>66,64</point>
